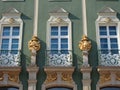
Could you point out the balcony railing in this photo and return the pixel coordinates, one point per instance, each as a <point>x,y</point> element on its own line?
<point>59,58</point>
<point>9,58</point>
<point>109,57</point>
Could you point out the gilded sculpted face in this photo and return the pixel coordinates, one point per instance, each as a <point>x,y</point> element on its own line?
<point>85,44</point>
<point>34,44</point>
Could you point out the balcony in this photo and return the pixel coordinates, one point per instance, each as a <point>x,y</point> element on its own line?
<point>59,58</point>
<point>109,57</point>
<point>9,58</point>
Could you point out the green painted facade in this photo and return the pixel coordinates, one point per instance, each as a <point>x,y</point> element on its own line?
<point>74,8</point>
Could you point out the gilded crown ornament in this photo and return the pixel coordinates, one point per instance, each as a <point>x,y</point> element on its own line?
<point>85,44</point>
<point>34,44</point>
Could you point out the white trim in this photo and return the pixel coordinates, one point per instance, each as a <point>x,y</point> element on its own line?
<point>36,4</point>
<point>13,14</point>
<point>59,18</point>
<point>107,17</point>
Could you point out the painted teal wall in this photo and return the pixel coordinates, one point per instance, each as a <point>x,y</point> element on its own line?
<point>75,14</point>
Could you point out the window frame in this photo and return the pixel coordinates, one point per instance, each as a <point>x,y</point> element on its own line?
<point>59,37</point>
<point>11,37</point>
<point>107,36</point>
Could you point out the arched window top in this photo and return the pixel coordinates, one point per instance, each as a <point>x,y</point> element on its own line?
<point>110,88</point>
<point>59,88</point>
<point>9,88</point>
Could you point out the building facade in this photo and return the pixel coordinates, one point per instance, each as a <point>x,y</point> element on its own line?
<point>59,45</point>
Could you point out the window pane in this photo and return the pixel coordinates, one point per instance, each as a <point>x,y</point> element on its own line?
<point>55,40</point>
<point>15,31</point>
<point>64,46</point>
<point>113,42</point>
<point>64,43</point>
<point>64,40</point>
<point>64,30</point>
<point>54,44</point>
<point>6,31</point>
<point>103,40</point>
<point>5,44</point>
<point>54,31</point>
<point>104,43</point>
<point>14,44</point>
<point>112,30</point>
<point>102,30</point>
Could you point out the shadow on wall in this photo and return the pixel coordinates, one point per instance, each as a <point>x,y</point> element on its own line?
<point>71,16</point>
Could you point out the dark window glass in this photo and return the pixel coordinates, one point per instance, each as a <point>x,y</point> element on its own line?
<point>110,88</point>
<point>59,88</point>
<point>112,30</point>
<point>103,30</point>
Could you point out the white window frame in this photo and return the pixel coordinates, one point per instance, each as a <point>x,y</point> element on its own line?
<point>12,18</point>
<point>59,19</point>
<point>10,37</point>
<point>107,36</point>
<point>107,17</point>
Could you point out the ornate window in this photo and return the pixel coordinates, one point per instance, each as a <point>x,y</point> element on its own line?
<point>59,50</point>
<point>10,38</point>
<point>107,28</point>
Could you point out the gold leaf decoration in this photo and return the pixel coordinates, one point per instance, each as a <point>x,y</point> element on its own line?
<point>66,76</point>
<point>34,44</point>
<point>85,44</point>
<point>51,76</point>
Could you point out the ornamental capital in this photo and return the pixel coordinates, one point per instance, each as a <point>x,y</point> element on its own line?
<point>85,44</point>
<point>34,44</point>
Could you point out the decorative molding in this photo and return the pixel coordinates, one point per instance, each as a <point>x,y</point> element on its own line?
<point>9,76</point>
<point>59,76</point>
<point>109,75</point>
<point>59,16</point>
<point>51,77</point>
<point>107,15</point>
<point>34,44</point>
<point>85,44</point>
<point>11,16</point>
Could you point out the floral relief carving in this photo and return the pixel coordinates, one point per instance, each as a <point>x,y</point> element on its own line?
<point>1,76</point>
<point>67,76</point>
<point>118,76</point>
<point>104,77</point>
<point>51,76</point>
<point>13,76</point>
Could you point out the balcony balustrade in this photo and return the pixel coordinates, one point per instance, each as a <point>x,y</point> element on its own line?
<point>59,58</point>
<point>9,58</point>
<point>109,57</point>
